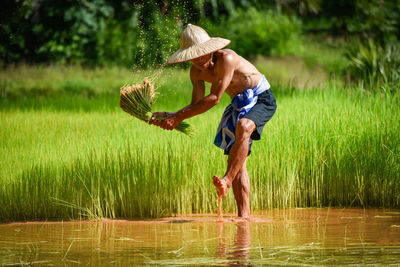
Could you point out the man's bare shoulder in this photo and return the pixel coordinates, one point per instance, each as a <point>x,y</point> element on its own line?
<point>227,58</point>
<point>226,54</point>
<point>240,64</point>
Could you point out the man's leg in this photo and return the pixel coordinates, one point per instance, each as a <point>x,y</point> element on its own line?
<point>237,155</point>
<point>241,190</point>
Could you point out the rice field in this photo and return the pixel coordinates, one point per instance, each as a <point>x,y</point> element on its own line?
<point>67,150</point>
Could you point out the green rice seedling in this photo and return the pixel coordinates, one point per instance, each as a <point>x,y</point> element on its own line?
<point>73,157</point>
<point>137,100</point>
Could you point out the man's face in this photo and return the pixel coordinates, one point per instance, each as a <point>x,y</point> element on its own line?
<point>202,62</point>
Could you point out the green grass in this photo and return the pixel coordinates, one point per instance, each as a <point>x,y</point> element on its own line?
<point>66,155</point>
<point>292,72</point>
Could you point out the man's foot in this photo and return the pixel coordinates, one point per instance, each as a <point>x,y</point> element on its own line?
<point>221,186</point>
<point>241,219</point>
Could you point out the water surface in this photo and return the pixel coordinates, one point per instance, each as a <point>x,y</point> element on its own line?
<point>305,237</point>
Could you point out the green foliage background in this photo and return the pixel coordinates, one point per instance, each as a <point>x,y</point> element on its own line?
<point>143,33</point>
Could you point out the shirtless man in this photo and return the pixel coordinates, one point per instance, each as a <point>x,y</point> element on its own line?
<point>253,104</point>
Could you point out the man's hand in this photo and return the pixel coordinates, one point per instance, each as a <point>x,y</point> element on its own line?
<point>166,120</point>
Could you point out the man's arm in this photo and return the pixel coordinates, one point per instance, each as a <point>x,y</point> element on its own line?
<point>224,72</point>
<point>201,103</point>
<point>199,88</point>
<point>197,94</point>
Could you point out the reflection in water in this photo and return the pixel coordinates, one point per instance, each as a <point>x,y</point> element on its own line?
<point>308,237</point>
<point>241,247</point>
<point>222,242</point>
<point>240,251</point>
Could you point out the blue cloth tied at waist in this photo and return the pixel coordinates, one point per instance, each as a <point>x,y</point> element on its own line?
<point>240,105</point>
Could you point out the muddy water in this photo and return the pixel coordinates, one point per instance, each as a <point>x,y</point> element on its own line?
<point>306,237</point>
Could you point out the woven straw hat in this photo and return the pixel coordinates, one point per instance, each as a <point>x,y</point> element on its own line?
<point>194,43</point>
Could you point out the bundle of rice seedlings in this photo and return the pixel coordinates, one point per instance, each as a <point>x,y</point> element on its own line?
<point>137,100</point>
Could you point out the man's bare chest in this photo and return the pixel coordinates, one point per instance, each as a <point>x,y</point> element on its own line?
<point>237,84</point>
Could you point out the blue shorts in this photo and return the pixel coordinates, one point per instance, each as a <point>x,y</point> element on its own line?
<point>261,113</point>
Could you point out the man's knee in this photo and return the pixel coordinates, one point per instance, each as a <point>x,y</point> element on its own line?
<point>245,128</point>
